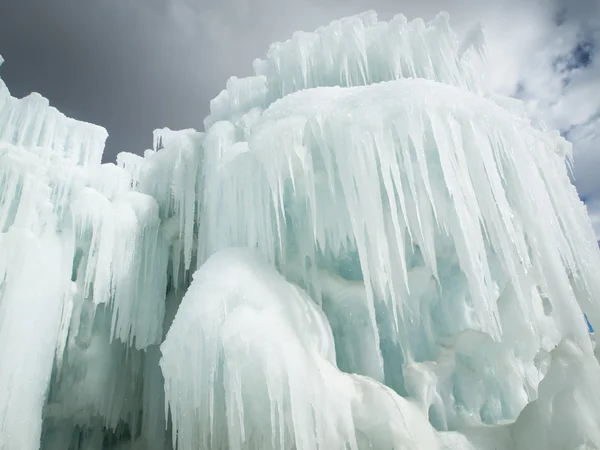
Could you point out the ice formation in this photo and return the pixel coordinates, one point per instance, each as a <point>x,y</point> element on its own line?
<point>365,249</point>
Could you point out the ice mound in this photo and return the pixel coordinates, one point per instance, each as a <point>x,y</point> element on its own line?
<point>264,355</point>
<point>364,249</point>
<point>565,415</point>
<point>402,204</point>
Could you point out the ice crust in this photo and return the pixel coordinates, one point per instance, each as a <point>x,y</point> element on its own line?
<point>365,249</point>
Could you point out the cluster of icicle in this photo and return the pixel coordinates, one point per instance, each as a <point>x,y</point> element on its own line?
<point>363,250</point>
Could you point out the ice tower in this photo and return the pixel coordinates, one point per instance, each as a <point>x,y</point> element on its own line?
<point>363,250</point>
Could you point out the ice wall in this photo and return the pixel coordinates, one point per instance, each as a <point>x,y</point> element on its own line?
<point>32,122</point>
<point>433,222</point>
<point>354,51</point>
<point>268,354</point>
<point>83,280</point>
<point>364,249</point>
<point>411,184</point>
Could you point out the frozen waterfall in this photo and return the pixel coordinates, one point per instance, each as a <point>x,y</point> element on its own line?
<point>364,249</point>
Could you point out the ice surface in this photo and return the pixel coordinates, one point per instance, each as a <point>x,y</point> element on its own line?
<point>357,50</point>
<point>172,177</point>
<point>365,249</point>
<point>268,377</point>
<point>446,209</point>
<point>33,281</point>
<point>565,415</point>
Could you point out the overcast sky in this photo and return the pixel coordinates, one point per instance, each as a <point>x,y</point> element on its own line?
<point>136,65</point>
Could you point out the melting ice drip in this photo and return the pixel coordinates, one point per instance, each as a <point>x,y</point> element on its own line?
<point>364,250</point>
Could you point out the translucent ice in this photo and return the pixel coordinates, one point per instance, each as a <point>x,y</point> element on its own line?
<point>405,204</point>
<point>172,176</point>
<point>83,277</point>
<point>32,122</point>
<point>565,415</point>
<point>264,360</point>
<point>364,249</point>
<point>32,270</point>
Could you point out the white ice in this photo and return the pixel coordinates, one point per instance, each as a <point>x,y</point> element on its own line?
<point>267,375</point>
<point>364,249</point>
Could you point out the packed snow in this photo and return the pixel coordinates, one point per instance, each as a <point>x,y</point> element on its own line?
<point>365,249</point>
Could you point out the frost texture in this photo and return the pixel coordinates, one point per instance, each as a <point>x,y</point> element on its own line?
<point>364,250</point>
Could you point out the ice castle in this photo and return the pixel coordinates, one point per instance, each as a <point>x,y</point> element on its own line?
<point>365,249</point>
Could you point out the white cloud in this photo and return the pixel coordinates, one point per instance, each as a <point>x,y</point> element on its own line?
<point>562,82</point>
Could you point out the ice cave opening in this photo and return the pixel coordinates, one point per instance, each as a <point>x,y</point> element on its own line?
<point>365,249</point>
